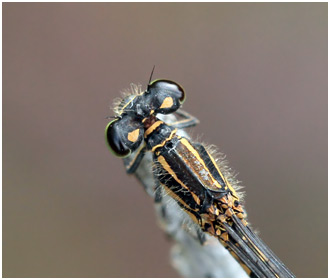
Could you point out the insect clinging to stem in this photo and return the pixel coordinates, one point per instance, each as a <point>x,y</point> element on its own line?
<point>187,172</point>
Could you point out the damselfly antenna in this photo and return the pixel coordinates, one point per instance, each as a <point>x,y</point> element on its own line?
<point>152,72</point>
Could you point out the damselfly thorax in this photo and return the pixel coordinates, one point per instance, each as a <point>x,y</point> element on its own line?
<point>188,173</point>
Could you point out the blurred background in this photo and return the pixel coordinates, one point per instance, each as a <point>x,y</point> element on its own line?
<point>255,75</point>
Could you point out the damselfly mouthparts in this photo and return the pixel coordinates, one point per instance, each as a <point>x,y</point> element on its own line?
<point>188,173</point>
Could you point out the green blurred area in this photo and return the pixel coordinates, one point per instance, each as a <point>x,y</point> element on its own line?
<point>255,75</point>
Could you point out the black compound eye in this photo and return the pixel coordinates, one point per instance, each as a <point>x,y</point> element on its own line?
<point>113,138</point>
<point>124,135</point>
<point>172,88</point>
<point>167,96</point>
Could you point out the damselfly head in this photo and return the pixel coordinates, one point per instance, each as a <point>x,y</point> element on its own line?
<point>124,135</point>
<point>137,111</point>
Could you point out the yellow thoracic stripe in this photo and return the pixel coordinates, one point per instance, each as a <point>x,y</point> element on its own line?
<point>192,216</point>
<point>176,197</point>
<point>166,166</point>
<point>231,188</point>
<point>152,128</point>
<point>186,143</point>
<point>223,177</point>
<point>163,143</point>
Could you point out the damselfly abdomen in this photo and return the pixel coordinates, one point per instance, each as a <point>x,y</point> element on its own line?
<point>188,173</point>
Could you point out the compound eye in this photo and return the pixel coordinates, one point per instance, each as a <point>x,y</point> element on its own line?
<point>172,88</point>
<point>114,140</point>
<point>124,135</point>
<point>167,96</point>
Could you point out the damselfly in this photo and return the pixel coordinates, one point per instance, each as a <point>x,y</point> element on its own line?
<point>187,172</point>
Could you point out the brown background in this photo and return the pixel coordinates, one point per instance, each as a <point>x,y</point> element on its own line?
<point>255,76</point>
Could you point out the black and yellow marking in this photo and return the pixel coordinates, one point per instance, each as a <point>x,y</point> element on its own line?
<point>152,128</point>
<point>189,174</point>
<point>133,135</point>
<point>167,103</point>
<point>193,213</point>
<point>163,143</point>
<point>167,168</point>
